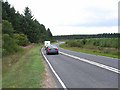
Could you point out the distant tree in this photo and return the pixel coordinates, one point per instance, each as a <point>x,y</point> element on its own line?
<point>27,13</point>
<point>8,12</point>
<point>5,10</point>
<point>35,31</point>
<point>49,33</point>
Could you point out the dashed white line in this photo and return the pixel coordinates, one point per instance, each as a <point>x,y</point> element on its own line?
<point>59,79</point>
<point>93,63</point>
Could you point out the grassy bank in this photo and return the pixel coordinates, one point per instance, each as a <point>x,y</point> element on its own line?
<point>103,47</point>
<point>23,70</point>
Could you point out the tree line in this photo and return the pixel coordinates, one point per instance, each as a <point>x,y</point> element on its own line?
<point>21,29</point>
<point>104,35</point>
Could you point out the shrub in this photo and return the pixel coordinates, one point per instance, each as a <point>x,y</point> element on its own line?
<point>9,45</point>
<point>74,43</point>
<point>21,39</point>
<point>84,41</point>
<point>99,42</point>
<point>7,27</point>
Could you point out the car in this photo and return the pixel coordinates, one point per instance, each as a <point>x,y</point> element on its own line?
<point>51,49</point>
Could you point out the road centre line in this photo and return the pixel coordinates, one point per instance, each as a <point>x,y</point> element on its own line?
<point>93,63</point>
<point>59,79</point>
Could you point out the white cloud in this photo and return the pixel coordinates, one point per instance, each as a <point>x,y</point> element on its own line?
<point>58,15</point>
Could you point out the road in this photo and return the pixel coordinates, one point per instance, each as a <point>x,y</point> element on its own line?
<point>75,73</point>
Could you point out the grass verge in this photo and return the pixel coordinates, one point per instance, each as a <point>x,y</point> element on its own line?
<point>23,70</point>
<point>89,51</point>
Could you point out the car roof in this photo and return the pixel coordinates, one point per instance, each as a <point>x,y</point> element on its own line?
<point>52,46</point>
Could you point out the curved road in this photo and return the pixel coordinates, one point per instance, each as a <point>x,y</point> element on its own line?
<point>79,74</point>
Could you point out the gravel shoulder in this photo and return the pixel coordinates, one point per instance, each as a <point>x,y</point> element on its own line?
<point>49,81</point>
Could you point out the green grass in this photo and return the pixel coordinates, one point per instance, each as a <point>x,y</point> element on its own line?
<point>89,50</point>
<point>26,71</point>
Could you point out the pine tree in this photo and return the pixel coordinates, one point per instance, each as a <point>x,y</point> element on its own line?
<point>49,33</point>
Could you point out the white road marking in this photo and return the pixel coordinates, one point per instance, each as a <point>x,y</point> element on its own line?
<point>59,79</point>
<point>94,55</point>
<point>93,63</point>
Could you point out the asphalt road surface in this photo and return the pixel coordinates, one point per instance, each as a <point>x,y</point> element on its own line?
<point>75,73</point>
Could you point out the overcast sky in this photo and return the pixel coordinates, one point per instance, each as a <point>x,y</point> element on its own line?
<point>65,17</point>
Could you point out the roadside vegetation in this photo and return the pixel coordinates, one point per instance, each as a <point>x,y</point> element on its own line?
<point>98,46</point>
<point>20,29</point>
<point>24,69</point>
<point>22,65</point>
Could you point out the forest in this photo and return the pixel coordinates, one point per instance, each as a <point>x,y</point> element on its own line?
<point>20,29</point>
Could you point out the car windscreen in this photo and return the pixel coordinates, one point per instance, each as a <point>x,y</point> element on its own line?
<point>52,47</point>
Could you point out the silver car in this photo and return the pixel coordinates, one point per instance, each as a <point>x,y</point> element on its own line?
<point>51,49</point>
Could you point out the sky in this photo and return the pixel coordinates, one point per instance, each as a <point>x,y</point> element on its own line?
<point>68,17</point>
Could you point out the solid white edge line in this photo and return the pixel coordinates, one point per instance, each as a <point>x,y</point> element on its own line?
<point>59,79</point>
<point>97,55</point>
<point>93,63</point>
